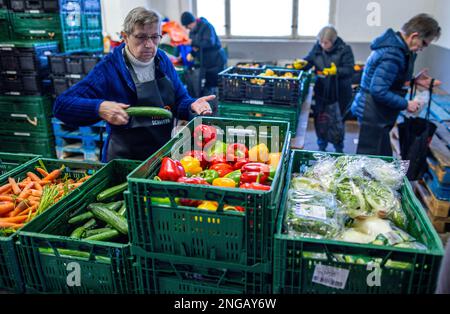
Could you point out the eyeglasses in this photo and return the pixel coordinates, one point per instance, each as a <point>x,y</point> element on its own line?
<point>144,38</point>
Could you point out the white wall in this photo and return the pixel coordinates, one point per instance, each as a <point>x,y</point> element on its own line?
<point>115,11</point>
<point>442,9</point>
<point>171,8</point>
<point>351,16</point>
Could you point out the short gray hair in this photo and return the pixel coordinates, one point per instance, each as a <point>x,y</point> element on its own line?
<point>328,33</point>
<point>140,16</point>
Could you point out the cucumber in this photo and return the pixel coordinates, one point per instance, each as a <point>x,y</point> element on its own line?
<point>150,112</point>
<point>78,233</point>
<point>115,206</point>
<point>80,218</point>
<point>92,232</point>
<point>112,191</point>
<point>105,236</point>
<point>91,223</point>
<point>109,217</point>
<point>123,210</point>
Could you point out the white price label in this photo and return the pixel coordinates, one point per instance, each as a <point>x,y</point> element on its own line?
<point>330,276</point>
<point>254,102</point>
<point>36,32</point>
<point>19,115</point>
<point>21,134</point>
<point>312,211</point>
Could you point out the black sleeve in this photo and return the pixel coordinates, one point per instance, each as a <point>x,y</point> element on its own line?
<point>346,67</point>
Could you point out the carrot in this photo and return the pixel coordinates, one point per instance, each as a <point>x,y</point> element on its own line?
<point>17,219</point>
<point>38,186</point>
<point>33,177</point>
<point>10,225</point>
<point>4,188</point>
<point>84,179</point>
<point>37,193</point>
<point>44,182</point>
<point>14,186</point>
<point>5,198</point>
<point>26,191</point>
<point>42,172</point>
<point>6,207</point>
<point>19,208</point>
<point>28,210</point>
<point>53,175</point>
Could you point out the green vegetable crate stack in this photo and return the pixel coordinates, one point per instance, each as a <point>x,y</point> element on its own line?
<point>90,231</point>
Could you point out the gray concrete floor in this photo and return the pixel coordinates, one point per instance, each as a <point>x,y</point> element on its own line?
<point>350,140</point>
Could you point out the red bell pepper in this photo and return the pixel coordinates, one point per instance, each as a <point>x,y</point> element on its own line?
<point>193,180</point>
<point>222,168</point>
<point>190,203</point>
<point>171,170</point>
<point>200,155</point>
<point>236,151</point>
<point>256,167</point>
<point>203,134</point>
<point>254,176</point>
<point>239,163</point>
<point>255,186</point>
<point>217,159</point>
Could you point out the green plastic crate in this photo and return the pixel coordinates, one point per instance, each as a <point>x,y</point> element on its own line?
<point>158,273</point>
<point>71,42</point>
<point>107,266</point>
<point>10,161</point>
<point>258,112</point>
<point>93,41</point>
<point>10,273</point>
<point>5,32</point>
<point>71,21</point>
<point>294,267</point>
<point>26,114</point>
<point>35,21</point>
<point>92,21</point>
<point>27,142</point>
<point>241,238</point>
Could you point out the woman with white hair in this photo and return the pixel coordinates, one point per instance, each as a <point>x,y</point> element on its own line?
<point>333,60</point>
<point>137,73</point>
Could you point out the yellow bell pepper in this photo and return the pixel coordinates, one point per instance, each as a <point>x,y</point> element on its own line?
<point>331,70</point>
<point>274,159</point>
<point>209,205</point>
<point>259,153</point>
<point>191,165</point>
<point>224,182</point>
<point>299,64</point>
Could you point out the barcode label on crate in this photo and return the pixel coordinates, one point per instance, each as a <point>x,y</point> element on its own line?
<point>19,115</point>
<point>6,47</point>
<point>34,11</point>
<point>36,32</point>
<point>21,134</point>
<point>14,93</point>
<point>330,276</point>
<point>76,76</point>
<point>11,72</point>
<point>254,102</point>
<point>312,211</point>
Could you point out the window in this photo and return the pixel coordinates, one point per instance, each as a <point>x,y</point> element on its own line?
<point>252,18</point>
<point>214,12</point>
<point>312,16</point>
<point>265,18</point>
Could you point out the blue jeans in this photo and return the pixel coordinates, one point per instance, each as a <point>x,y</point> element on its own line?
<point>322,143</point>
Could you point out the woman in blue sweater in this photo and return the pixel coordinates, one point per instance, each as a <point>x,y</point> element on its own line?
<point>383,84</point>
<point>137,73</point>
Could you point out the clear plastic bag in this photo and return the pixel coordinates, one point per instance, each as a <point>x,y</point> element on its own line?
<point>323,171</point>
<point>314,213</point>
<point>387,173</point>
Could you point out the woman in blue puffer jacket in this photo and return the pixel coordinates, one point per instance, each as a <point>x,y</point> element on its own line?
<point>383,89</point>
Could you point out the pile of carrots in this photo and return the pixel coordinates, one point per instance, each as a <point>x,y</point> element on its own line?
<point>21,201</point>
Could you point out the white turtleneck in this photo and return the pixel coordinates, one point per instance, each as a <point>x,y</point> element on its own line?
<point>145,71</point>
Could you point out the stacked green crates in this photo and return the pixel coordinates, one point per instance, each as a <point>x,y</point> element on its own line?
<point>25,125</point>
<point>45,249</point>
<point>231,250</point>
<point>403,271</point>
<point>10,273</point>
<point>92,26</point>
<point>258,112</point>
<point>9,161</point>
<point>4,25</point>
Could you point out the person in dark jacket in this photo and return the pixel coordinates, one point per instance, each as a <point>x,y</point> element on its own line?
<point>137,73</point>
<point>383,89</point>
<point>333,58</point>
<point>206,50</point>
